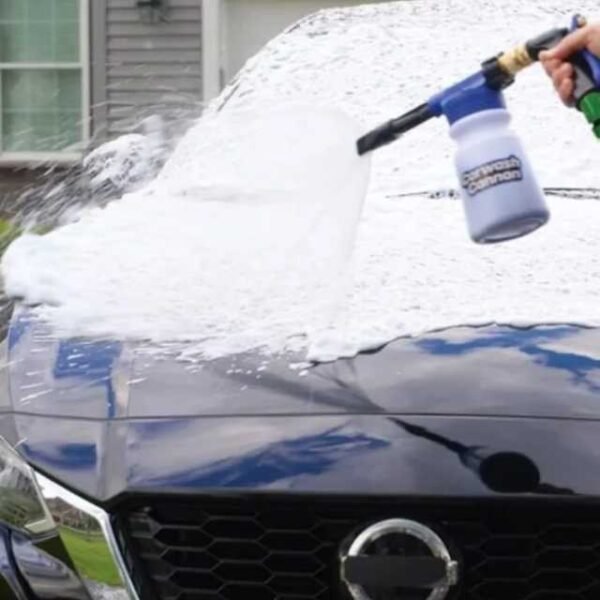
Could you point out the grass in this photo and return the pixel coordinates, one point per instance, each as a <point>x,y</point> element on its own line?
<point>91,556</point>
<point>8,233</point>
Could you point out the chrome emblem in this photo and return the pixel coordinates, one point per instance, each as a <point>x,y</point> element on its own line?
<point>366,559</point>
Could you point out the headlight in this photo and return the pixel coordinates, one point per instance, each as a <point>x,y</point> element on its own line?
<point>37,507</point>
<point>21,504</point>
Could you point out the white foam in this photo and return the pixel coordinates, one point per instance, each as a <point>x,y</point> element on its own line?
<point>251,255</point>
<point>129,162</point>
<point>243,240</point>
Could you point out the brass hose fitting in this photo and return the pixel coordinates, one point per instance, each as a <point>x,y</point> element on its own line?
<point>515,60</point>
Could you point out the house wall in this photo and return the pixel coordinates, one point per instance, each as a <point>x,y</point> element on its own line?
<point>141,68</point>
<point>235,30</point>
<point>249,24</point>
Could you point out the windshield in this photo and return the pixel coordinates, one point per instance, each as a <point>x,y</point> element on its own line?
<point>263,229</point>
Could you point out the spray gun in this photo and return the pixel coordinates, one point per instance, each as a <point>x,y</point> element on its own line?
<point>501,196</point>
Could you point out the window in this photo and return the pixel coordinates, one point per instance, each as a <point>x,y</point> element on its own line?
<point>43,79</point>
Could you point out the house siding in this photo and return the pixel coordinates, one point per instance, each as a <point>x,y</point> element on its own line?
<point>141,68</point>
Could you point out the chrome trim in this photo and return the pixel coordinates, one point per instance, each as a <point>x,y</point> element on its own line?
<point>75,516</point>
<point>413,529</point>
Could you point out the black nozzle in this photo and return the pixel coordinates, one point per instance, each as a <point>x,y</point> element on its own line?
<point>392,130</point>
<point>495,75</point>
<point>546,41</point>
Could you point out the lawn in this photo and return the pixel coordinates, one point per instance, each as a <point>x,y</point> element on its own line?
<point>91,556</point>
<point>8,233</point>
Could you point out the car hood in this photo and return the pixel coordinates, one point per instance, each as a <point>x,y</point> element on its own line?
<point>418,416</point>
<point>539,371</point>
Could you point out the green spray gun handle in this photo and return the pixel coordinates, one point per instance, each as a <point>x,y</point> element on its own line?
<point>587,82</point>
<point>589,105</point>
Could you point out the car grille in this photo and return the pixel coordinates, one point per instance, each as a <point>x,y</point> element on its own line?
<point>286,548</point>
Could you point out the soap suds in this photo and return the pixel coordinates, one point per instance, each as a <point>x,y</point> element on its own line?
<point>256,257</point>
<point>252,234</point>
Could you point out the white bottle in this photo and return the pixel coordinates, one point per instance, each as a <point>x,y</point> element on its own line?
<point>501,196</point>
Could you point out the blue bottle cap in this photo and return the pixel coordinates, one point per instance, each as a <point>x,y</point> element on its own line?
<point>465,98</point>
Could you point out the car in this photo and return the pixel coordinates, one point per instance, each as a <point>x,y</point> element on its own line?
<point>183,485</point>
<point>456,463</point>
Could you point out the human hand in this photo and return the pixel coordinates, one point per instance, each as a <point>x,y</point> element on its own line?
<point>555,61</point>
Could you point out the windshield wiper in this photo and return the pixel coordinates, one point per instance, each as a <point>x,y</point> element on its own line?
<point>578,193</point>
<point>574,192</point>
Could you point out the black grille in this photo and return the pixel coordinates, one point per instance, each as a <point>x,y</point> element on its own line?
<point>284,548</point>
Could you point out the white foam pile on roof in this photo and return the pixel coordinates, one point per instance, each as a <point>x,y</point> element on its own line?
<point>243,239</point>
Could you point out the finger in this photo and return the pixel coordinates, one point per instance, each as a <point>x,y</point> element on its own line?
<point>565,91</point>
<point>544,55</point>
<point>565,71</point>
<point>551,65</point>
<point>571,44</point>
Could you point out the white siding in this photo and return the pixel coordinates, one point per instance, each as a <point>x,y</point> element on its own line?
<point>140,66</point>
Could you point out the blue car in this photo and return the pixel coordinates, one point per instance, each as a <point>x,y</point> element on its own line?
<point>460,464</point>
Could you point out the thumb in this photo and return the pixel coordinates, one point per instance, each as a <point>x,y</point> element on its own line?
<point>570,45</point>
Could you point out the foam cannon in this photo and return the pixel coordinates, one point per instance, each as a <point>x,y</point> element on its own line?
<point>501,195</point>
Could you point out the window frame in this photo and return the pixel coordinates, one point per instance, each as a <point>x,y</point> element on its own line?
<point>84,67</point>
